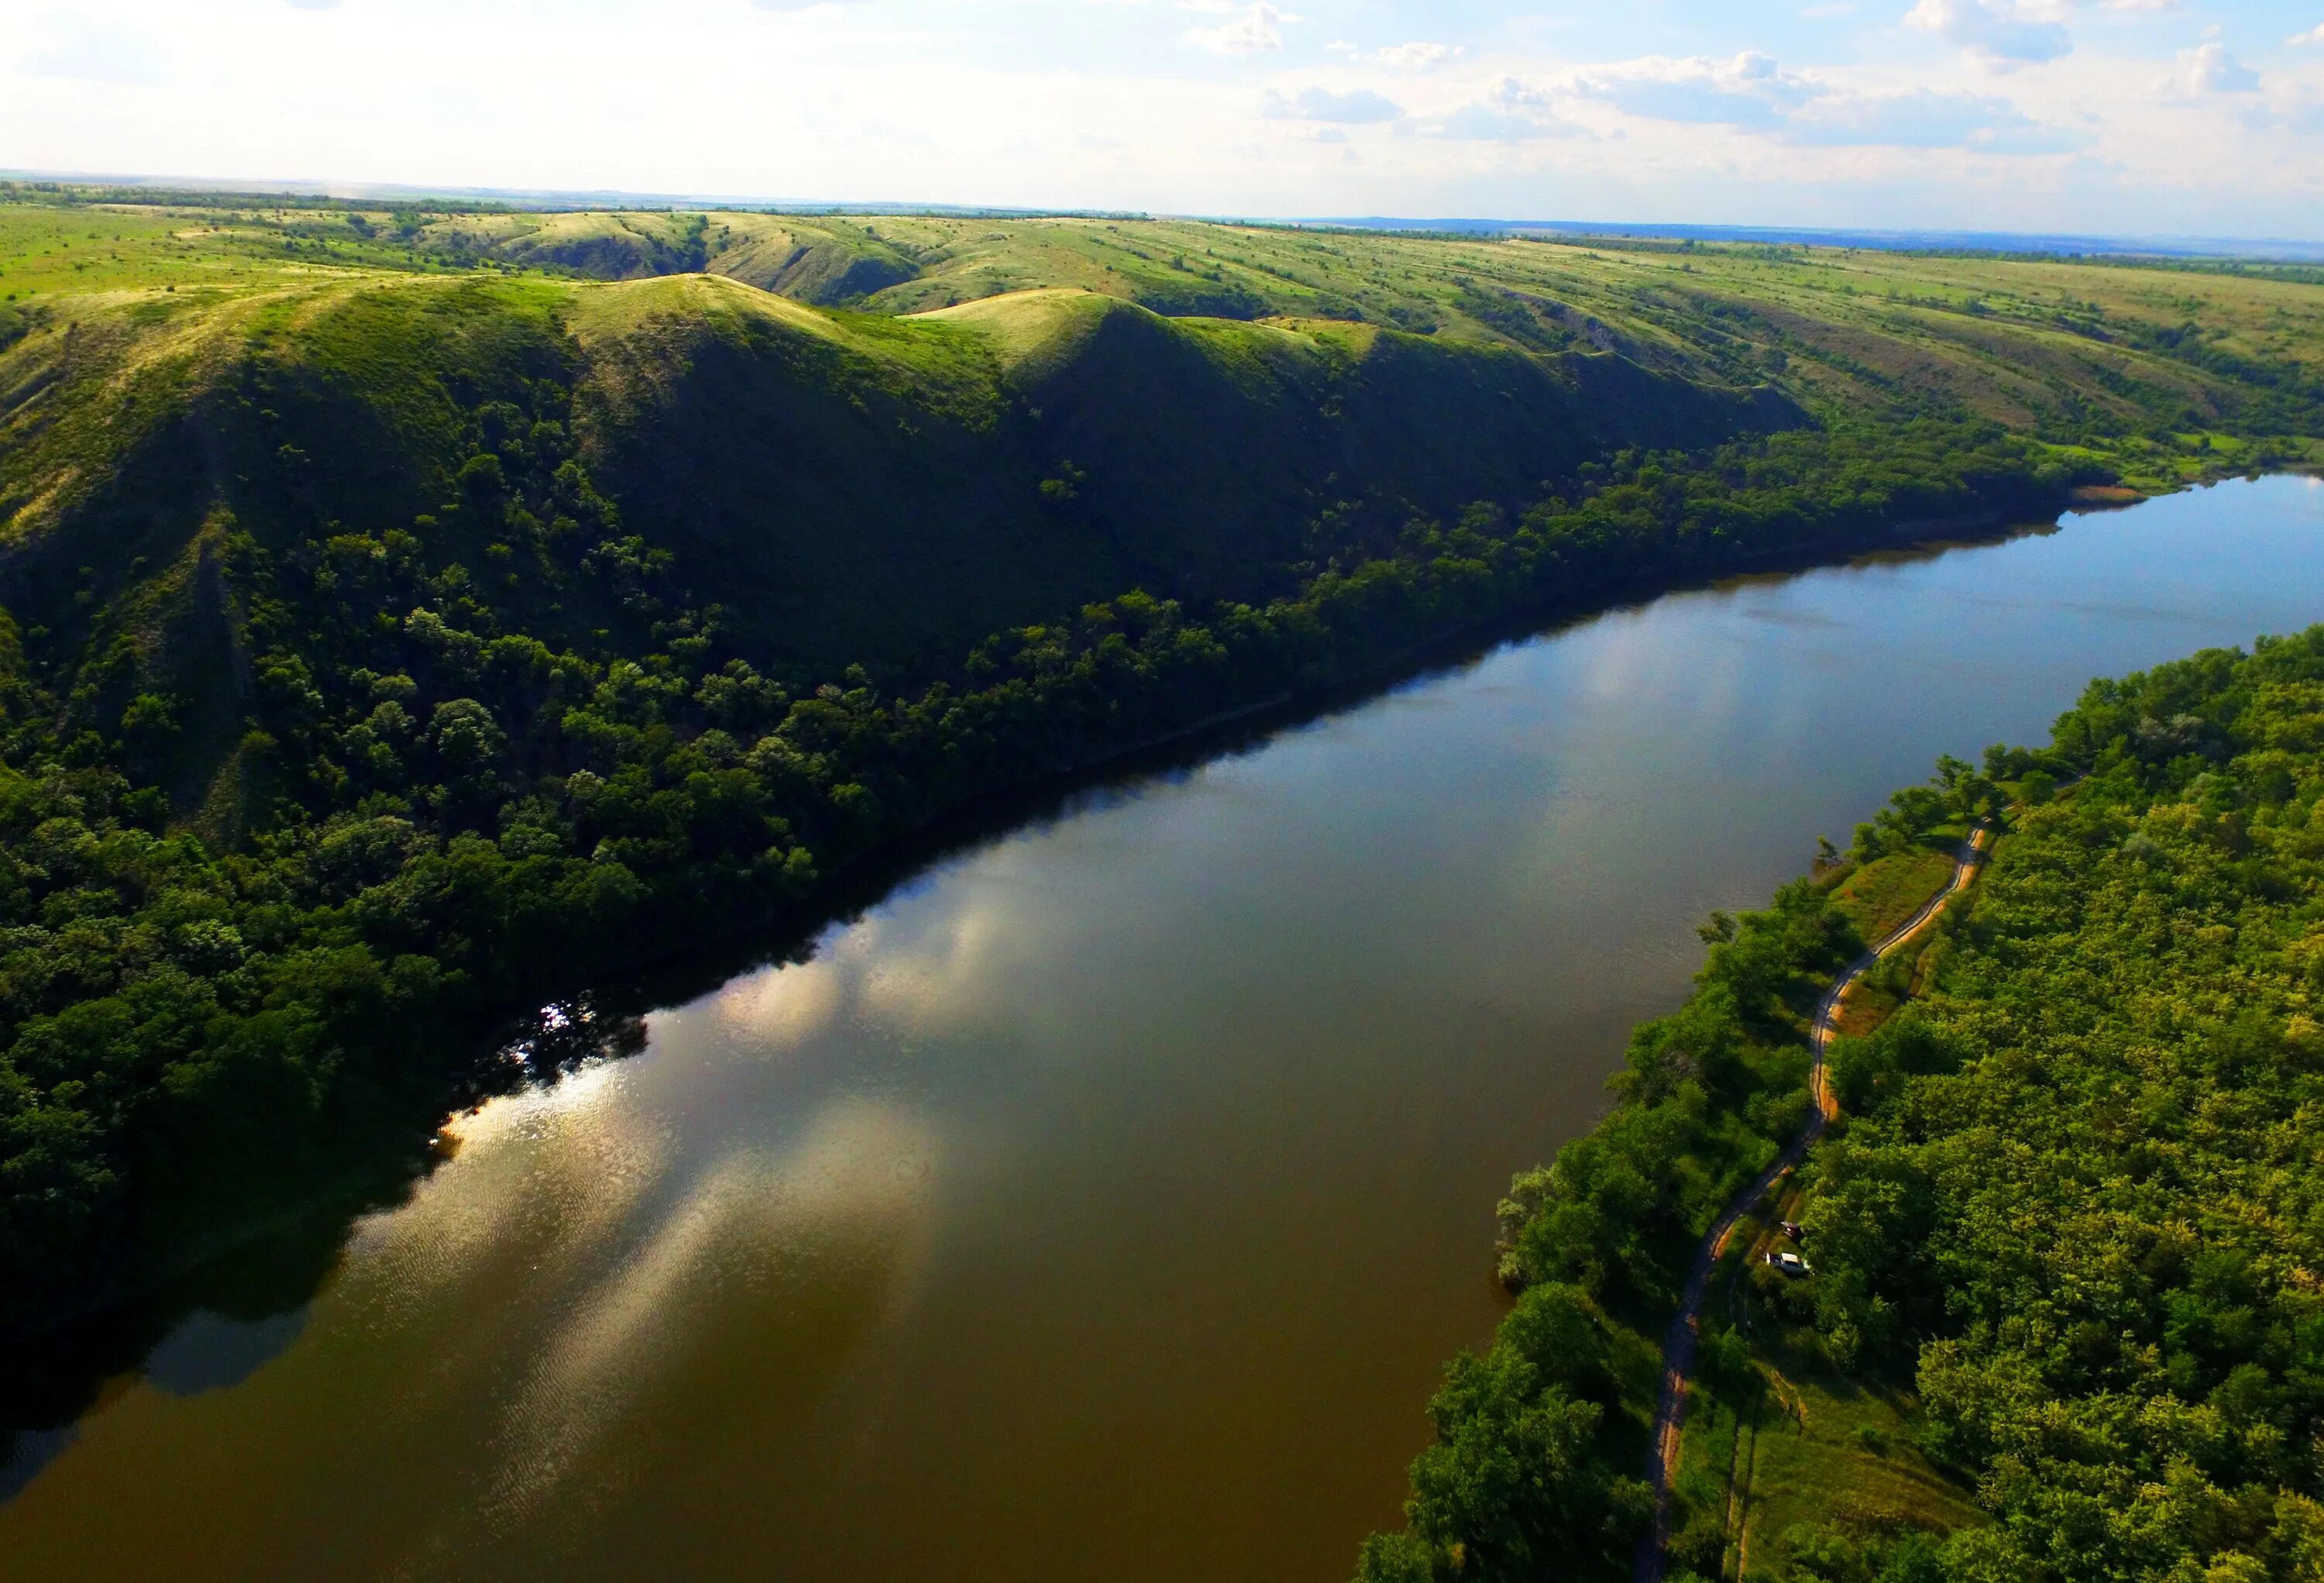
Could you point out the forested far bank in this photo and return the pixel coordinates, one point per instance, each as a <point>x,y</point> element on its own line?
<point>2062,1240</point>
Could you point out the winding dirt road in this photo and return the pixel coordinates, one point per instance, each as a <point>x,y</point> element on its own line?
<point>1678,1341</point>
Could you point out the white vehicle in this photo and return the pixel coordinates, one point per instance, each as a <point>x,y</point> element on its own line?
<point>1789,1263</point>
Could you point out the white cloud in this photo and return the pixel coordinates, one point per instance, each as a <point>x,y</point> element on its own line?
<point>2000,32</point>
<point>1487,123</point>
<point>1357,107</point>
<point>1751,91</point>
<point>995,103</point>
<point>2314,35</point>
<point>1256,30</point>
<point>1927,118</point>
<point>2208,69</point>
<point>98,51</point>
<point>1415,56</point>
<point>1513,112</point>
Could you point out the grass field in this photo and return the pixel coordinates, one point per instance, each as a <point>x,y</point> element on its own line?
<point>2042,345</point>
<point>1881,896</point>
<point>1804,1444</point>
<point>881,439</point>
<point>1818,1448</point>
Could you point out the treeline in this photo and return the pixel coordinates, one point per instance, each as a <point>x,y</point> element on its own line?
<point>2074,1188</point>
<point>447,815</point>
<point>2081,1200</point>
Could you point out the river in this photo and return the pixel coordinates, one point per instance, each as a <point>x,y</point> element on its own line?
<point>1102,1202</point>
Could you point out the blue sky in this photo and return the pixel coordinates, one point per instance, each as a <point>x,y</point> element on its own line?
<point>2124,117</point>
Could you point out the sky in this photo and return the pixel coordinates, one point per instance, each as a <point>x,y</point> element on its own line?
<point>2120,117</point>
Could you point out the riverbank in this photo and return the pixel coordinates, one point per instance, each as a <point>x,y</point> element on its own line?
<point>1637,1227</point>
<point>1748,1239</point>
<point>1139,1152</point>
<point>1054,703</point>
<point>2096,930</point>
<point>374,1171</point>
<point>1752,1353</point>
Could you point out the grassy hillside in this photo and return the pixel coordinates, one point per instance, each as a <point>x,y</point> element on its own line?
<point>408,610</point>
<point>898,488</point>
<point>2077,349</point>
<point>2066,347</point>
<point>853,486</point>
<point>995,434</point>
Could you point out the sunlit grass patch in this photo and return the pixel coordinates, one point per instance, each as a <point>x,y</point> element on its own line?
<point>1882,895</point>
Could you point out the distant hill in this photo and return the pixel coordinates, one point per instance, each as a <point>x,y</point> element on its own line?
<point>2062,243</point>
<point>1899,238</point>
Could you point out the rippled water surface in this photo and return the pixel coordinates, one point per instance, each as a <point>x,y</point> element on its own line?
<point>1101,1204</point>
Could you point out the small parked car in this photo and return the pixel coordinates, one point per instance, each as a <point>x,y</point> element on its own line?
<point>1792,1229</point>
<point>1788,1263</point>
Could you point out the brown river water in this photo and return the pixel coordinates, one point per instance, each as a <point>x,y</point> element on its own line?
<point>1101,1201</point>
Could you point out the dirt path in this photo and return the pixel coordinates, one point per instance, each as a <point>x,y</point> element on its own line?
<point>1678,1341</point>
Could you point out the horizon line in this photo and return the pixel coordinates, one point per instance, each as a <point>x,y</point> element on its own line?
<point>2255,249</point>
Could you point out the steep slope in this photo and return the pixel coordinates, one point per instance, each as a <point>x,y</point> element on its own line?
<point>821,261</point>
<point>600,246</point>
<point>341,402</point>
<point>848,489</point>
<point>1274,422</point>
<point>140,440</point>
<point>879,487</point>
<point>827,263</point>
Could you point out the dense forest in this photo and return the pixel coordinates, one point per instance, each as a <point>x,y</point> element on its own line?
<point>392,644</point>
<point>2070,1216</point>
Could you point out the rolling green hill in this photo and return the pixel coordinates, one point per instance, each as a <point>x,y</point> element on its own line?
<point>409,610</point>
<point>2063,346</point>
<point>855,486</point>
